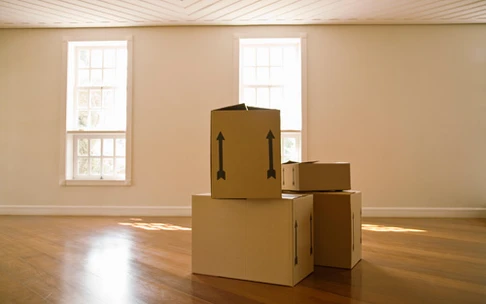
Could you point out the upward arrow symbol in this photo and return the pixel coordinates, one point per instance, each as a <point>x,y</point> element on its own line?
<point>271,171</point>
<point>221,173</point>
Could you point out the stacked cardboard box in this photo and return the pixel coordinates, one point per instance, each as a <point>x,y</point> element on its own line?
<point>246,228</point>
<point>337,210</point>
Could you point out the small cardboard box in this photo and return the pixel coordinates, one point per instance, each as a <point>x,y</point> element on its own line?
<point>314,176</point>
<point>265,240</point>
<point>245,152</point>
<point>337,228</point>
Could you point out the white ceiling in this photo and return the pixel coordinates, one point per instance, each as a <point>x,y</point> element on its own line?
<point>107,13</point>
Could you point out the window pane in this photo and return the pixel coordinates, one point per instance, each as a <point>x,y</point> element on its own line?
<point>249,76</point>
<point>263,99</point>
<point>82,166</point>
<point>276,56</point>
<point>95,168</point>
<point>83,97</point>
<point>96,77</point>
<point>108,166</point>
<point>109,77</point>
<point>95,99</point>
<point>291,146</point>
<point>120,166</point>
<point>120,147</point>
<point>249,96</point>
<point>108,147</point>
<point>263,75</point>
<point>276,98</point>
<point>108,98</point>
<point>121,58</point>
<point>83,77</point>
<point>249,56</point>
<point>290,56</point>
<point>96,58</point>
<point>95,119</point>
<point>83,147</point>
<point>276,75</point>
<point>109,58</point>
<point>95,147</point>
<point>82,119</point>
<point>83,59</point>
<point>262,57</point>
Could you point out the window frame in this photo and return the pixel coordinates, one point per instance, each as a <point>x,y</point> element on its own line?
<point>237,74</point>
<point>66,171</point>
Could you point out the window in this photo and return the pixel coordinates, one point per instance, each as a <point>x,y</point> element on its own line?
<point>270,76</point>
<point>98,107</point>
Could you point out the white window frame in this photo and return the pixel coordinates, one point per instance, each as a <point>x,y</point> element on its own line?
<point>237,74</point>
<point>67,157</point>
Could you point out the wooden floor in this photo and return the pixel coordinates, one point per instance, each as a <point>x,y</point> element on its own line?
<point>93,260</point>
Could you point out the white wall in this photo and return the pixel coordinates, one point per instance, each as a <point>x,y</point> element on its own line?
<point>406,105</point>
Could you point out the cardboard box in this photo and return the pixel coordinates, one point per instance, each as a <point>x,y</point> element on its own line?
<point>314,176</point>
<point>245,153</point>
<point>337,228</point>
<point>266,240</point>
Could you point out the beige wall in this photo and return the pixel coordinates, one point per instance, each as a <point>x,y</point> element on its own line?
<point>406,105</point>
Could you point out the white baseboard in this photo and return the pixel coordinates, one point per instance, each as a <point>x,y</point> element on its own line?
<point>95,210</point>
<point>425,212</point>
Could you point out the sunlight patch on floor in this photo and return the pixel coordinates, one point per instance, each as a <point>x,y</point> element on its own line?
<point>382,228</point>
<point>156,226</point>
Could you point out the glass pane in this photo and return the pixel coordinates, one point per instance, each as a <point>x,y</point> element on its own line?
<point>96,58</point>
<point>276,75</point>
<point>109,77</point>
<point>95,147</point>
<point>95,99</point>
<point>120,147</point>
<point>94,119</point>
<point>121,58</point>
<point>83,97</point>
<point>108,147</point>
<point>83,147</point>
<point>249,76</point>
<point>263,99</point>
<point>96,77</point>
<point>290,56</point>
<point>83,77</point>
<point>108,98</point>
<point>82,166</point>
<point>249,56</point>
<point>263,75</point>
<point>262,57</point>
<point>120,166</point>
<point>276,56</point>
<point>249,96</point>
<point>82,119</point>
<point>108,166</point>
<point>95,168</point>
<point>276,98</point>
<point>109,58</point>
<point>83,59</point>
<point>289,149</point>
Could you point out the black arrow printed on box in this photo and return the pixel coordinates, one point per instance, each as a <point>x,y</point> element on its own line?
<point>221,173</point>
<point>271,171</point>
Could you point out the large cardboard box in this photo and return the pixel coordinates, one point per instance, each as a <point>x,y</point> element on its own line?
<point>337,228</point>
<point>314,176</point>
<point>245,152</point>
<point>265,240</point>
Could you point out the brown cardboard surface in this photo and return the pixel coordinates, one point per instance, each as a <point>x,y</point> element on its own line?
<point>254,239</point>
<point>314,176</point>
<point>245,153</point>
<point>337,228</point>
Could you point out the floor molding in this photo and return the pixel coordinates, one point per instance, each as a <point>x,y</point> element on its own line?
<point>425,212</point>
<point>96,210</point>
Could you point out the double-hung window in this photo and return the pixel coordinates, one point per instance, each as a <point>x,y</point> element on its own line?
<point>270,76</point>
<point>97,112</point>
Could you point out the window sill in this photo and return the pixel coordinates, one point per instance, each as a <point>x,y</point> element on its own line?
<point>71,182</point>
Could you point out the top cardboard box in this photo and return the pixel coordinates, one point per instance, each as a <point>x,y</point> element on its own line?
<point>245,152</point>
<point>314,176</point>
